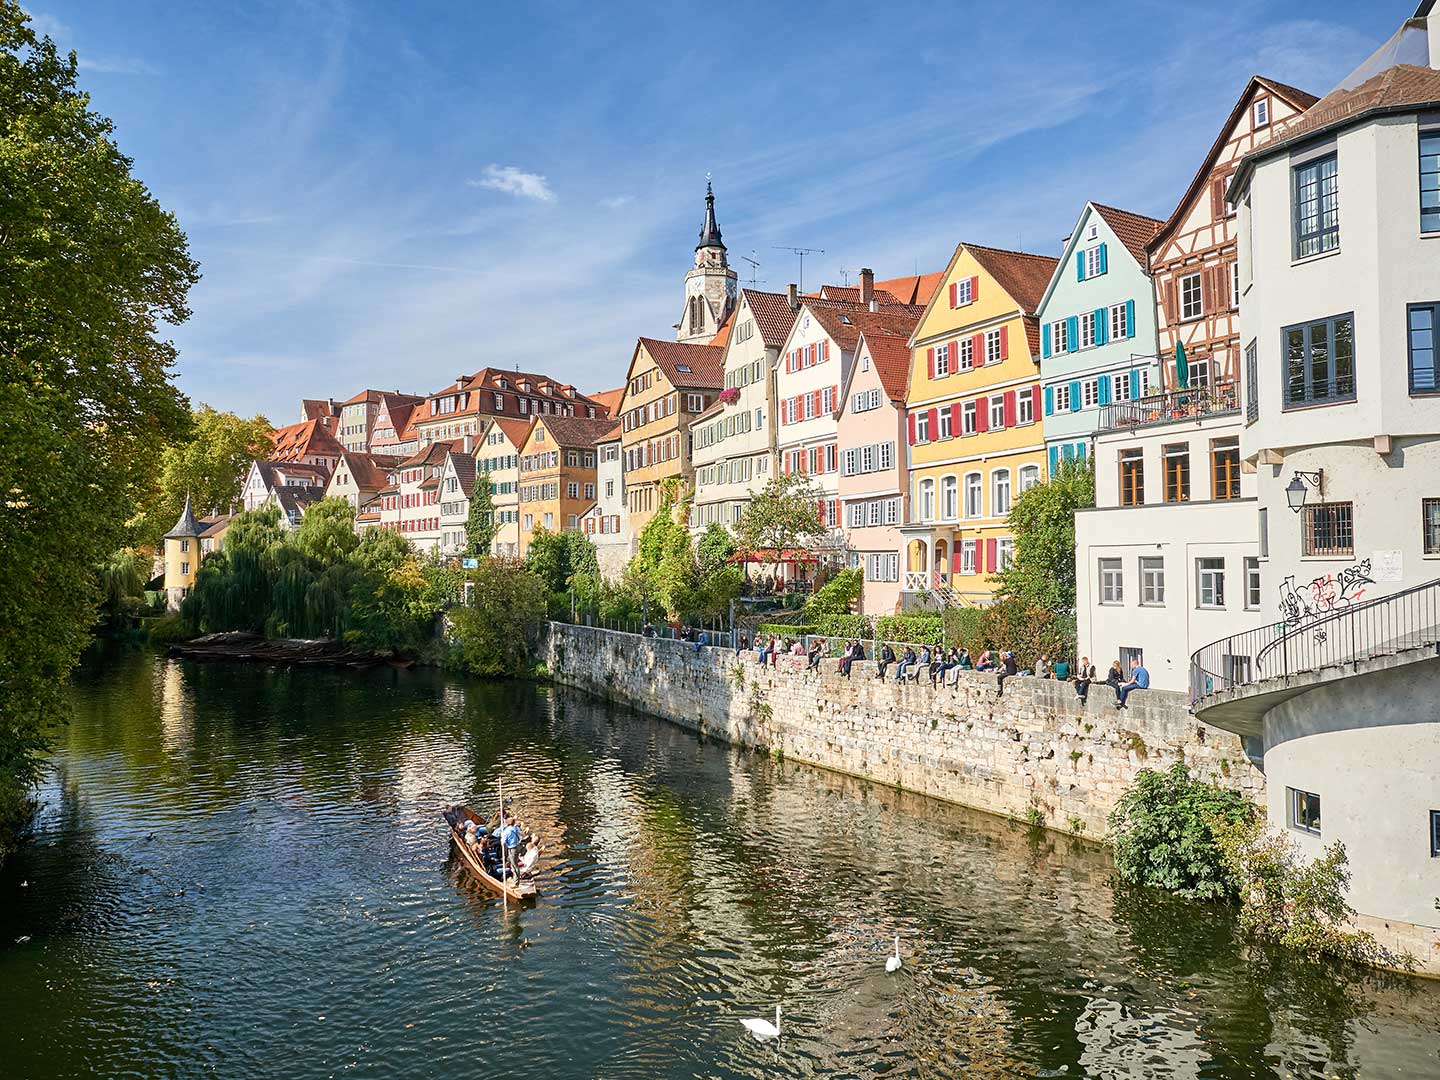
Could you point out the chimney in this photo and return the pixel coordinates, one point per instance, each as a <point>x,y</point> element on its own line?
<point>874,304</point>
<point>867,285</point>
<point>792,295</point>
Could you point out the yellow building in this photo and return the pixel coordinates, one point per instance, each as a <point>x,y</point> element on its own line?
<point>973,419</point>
<point>185,546</point>
<point>669,384</point>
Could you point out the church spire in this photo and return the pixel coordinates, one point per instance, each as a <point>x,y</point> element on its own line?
<point>710,233</point>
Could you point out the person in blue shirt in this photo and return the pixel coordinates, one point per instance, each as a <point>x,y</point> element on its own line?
<point>510,837</point>
<point>1139,680</point>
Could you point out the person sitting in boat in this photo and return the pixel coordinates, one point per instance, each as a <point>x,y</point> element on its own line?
<point>531,856</point>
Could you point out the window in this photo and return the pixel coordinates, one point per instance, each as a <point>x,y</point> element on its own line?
<point>973,496</point>
<point>962,291</point>
<point>1260,113</point>
<point>1210,592</point>
<point>1235,285</point>
<point>968,424</point>
<point>965,358</point>
<point>184,545</point>
<point>945,431</point>
<point>1434,833</point>
<point>1225,468</point>
<point>997,413</point>
<point>1177,472</point>
<point>1320,361</point>
<point>184,568</point>
<point>1328,529</point>
<point>949,498</point>
<point>1087,329</point>
<point>967,556</point>
<point>1252,383</point>
<point>1025,406</point>
<point>1112,581</point>
<point>922,427</point>
<point>1119,322</point>
<point>927,500</point>
<point>1089,393</point>
<point>1304,810</point>
<point>1191,305</point>
<point>1152,581</point>
<point>1252,583</point>
<point>1424,343</point>
<point>1004,553</point>
<point>1094,262</point>
<point>694,403</point>
<point>572,491</point>
<point>1000,492</point>
<point>942,360</point>
<point>1062,397</point>
<point>1059,337</point>
<point>1029,477</point>
<point>1430,181</point>
<point>1430,525</point>
<point>1316,207</point>
<point>992,347</point>
<point>1132,477</point>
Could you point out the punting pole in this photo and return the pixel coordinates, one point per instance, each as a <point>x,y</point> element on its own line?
<point>504,890</point>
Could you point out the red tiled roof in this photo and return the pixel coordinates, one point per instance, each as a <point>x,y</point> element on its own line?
<point>369,470</point>
<point>316,408</point>
<point>464,468</point>
<point>686,366</point>
<point>1297,99</point>
<point>580,430</point>
<point>487,382</point>
<point>434,454</point>
<point>773,316</point>
<point>614,432</point>
<point>723,334</point>
<point>1401,85</point>
<point>850,294</point>
<point>1132,230</point>
<point>609,399</point>
<point>1023,276</point>
<point>845,322</point>
<point>517,431</point>
<point>890,357</point>
<point>299,440</point>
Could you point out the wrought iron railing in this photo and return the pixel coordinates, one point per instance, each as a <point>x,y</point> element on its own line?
<point>1171,407</point>
<point>1325,630</point>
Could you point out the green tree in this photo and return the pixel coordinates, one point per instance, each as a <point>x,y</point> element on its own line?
<point>677,582</point>
<point>209,464</point>
<point>783,516</point>
<point>326,534</point>
<point>90,265</point>
<point>122,578</point>
<point>715,549</point>
<point>1041,573</point>
<point>480,527</point>
<point>494,635</point>
<point>837,596</point>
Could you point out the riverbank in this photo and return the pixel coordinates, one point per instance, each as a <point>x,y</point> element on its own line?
<point>290,652</point>
<point>1036,754</point>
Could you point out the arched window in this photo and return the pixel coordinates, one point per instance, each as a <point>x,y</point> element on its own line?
<point>1000,492</point>
<point>974,496</point>
<point>697,314</point>
<point>927,500</point>
<point>1029,477</point>
<point>949,498</point>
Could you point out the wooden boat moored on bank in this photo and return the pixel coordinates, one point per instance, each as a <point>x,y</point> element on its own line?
<point>518,892</point>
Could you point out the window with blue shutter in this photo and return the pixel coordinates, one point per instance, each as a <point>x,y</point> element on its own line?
<point>1072,332</point>
<point>1102,326</point>
<point>1080,265</point>
<point>1049,401</point>
<point>1102,395</point>
<point>1134,384</point>
<point>1075,396</point>
<point>1068,452</point>
<point>1054,461</point>
<point>1045,340</point>
<point>1103,266</point>
<point>1129,318</point>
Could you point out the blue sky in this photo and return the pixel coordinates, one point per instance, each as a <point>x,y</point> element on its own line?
<point>388,195</point>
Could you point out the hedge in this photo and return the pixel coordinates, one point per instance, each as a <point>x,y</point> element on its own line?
<point>911,629</point>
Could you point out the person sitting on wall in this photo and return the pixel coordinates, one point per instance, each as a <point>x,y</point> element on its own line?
<point>940,664</point>
<point>1042,667</point>
<point>1139,680</point>
<point>907,661</point>
<point>966,663</point>
<point>797,648</point>
<point>741,644</point>
<point>961,658</point>
<point>986,661</point>
<point>1061,670</point>
<point>1008,667</point>
<point>1084,675</point>
<point>883,659</point>
<point>855,652</point>
<point>1114,677</point>
<point>817,646</point>
<point>923,665</point>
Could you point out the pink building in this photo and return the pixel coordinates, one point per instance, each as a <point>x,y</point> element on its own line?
<point>873,481</point>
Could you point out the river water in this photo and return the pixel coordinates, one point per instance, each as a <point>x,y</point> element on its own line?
<point>242,872</point>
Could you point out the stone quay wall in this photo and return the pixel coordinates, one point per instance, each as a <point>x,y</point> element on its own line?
<point>1036,748</point>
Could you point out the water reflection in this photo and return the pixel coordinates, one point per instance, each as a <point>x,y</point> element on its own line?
<point>242,871</point>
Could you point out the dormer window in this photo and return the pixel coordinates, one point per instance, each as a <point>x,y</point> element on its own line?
<point>683,367</point>
<point>1260,113</point>
<point>1093,233</point>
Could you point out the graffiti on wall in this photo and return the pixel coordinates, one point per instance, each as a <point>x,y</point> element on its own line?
<point>1300,604</point>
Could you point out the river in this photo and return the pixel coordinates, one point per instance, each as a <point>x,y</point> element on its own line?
<point>242,872</point>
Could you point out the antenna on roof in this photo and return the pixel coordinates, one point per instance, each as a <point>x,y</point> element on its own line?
<point>754,265</point>
<point>844,276</point>
<point>802,252</point>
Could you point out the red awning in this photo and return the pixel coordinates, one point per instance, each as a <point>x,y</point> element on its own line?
<point>770,555</point>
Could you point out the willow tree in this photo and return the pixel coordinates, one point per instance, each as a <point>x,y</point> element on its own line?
<point>90,266</point>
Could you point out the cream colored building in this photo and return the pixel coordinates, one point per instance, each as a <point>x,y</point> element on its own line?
<point>497,452</point>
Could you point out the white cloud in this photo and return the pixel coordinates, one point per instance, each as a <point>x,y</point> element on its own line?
<point>117,65</point>
<point>48,26</point>
<point>513,181</point>
<point>615,202</point>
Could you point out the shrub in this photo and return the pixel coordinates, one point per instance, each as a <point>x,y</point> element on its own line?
<point>1028,631</point>
<point>838,596</point>
<point>167,629</point>
<point>844,626</point>
<point>915,629</point>
<point>1164,834</point>
<point>785,630</point>
<point>493,635</point>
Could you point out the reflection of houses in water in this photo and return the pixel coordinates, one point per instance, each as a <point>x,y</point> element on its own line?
<point>177,708</point>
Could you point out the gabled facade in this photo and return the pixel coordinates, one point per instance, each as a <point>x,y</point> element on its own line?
<point>302,484</point>
<point>557,474</point>
<point>358,416</point>
<point>307,443</point>
<point>457,483</point>
<point>734,440</point>
<point>410,504</point>
<point>360,477</point>
<point>874,473</point>
<point>973,420</point>
<point>1193,255</point>
<point>497,452</point>
<point>607,523</point>
<point>391,433</point>
<point>668,385</point>
<point>1097,328</point>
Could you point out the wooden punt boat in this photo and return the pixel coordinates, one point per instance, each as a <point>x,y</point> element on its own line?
<point>518,892</point>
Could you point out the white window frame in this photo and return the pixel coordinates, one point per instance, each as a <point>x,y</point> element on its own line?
<point>1192,306</point>
<point>973,495</point>
<point>1210,583</point>
<point>967,556</point>
<point>949,498</point>
<point>965,361</point>
<point>926,499</point>
<point>1029,477</point>
<point>1152,581</point>
<point>997,413</point>
<point>944,423</point>
<point>1119,322</point>
<point>942,360</point>
<point>1062,397</point>
<point>1086,320</point>
<point>1110,573</point>
<point>1004,553</point>
<point>1025,406</point>
<point>1001,492</point>
<point>992,346</point>
<point>1253,595</point>
<point>1059,337</point>
<point>1092,262</point>
<point>969,424</point>
<point>1260,113</point>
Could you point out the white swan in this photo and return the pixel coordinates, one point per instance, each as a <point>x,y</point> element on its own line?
<point>893,963</point>
<point>763,1029</point>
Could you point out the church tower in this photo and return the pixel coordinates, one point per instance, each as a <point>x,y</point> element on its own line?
<point>710,286</point>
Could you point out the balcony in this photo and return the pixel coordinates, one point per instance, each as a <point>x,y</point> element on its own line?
<point>1173,406</point>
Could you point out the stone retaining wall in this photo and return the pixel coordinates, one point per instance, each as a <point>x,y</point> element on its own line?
<point>1037,748</point>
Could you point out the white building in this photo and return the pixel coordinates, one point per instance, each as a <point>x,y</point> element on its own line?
<point>733,450</point>
<point>457,482</point>
<point>1167,560</point>
<point>607,523</point>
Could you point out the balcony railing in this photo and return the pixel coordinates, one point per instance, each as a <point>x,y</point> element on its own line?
<point>1171,407</point>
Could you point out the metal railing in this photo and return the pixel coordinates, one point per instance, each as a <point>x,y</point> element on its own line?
<point>1326,631</point>
<point>1171,407</point>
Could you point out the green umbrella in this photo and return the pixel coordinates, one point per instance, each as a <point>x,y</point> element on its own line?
<point>1182,367</point>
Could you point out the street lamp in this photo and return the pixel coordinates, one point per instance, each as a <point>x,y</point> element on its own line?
<point>1297,490</point>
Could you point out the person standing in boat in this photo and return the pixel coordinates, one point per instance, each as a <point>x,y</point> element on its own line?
<point>510,837</point>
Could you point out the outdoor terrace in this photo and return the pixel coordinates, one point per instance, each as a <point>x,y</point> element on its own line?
<point>1173,406</point>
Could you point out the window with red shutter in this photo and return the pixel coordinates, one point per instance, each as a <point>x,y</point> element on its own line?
<point>990,556</point>
<point>954,294</point>
<point>1004,342</point>
<point>982,414</point>
<point>934,424</point>
<point>911,421</point>
<point>930,358</point>
<point>955,421</point>
<point>1009,408</point>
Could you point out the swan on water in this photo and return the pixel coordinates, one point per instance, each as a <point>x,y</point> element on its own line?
<point>763,1029</point>
<point>893,963</point>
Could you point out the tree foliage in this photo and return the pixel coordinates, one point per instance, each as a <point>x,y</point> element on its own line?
<point>495,634</point>
<point>122,577</point>
<point>838,596</point>
<point>1042,571</point>
<point>90,265</point>
<point>715,549</point>
<point>783,515</point>
<point>1164,832</point>
<point>480,527</point>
